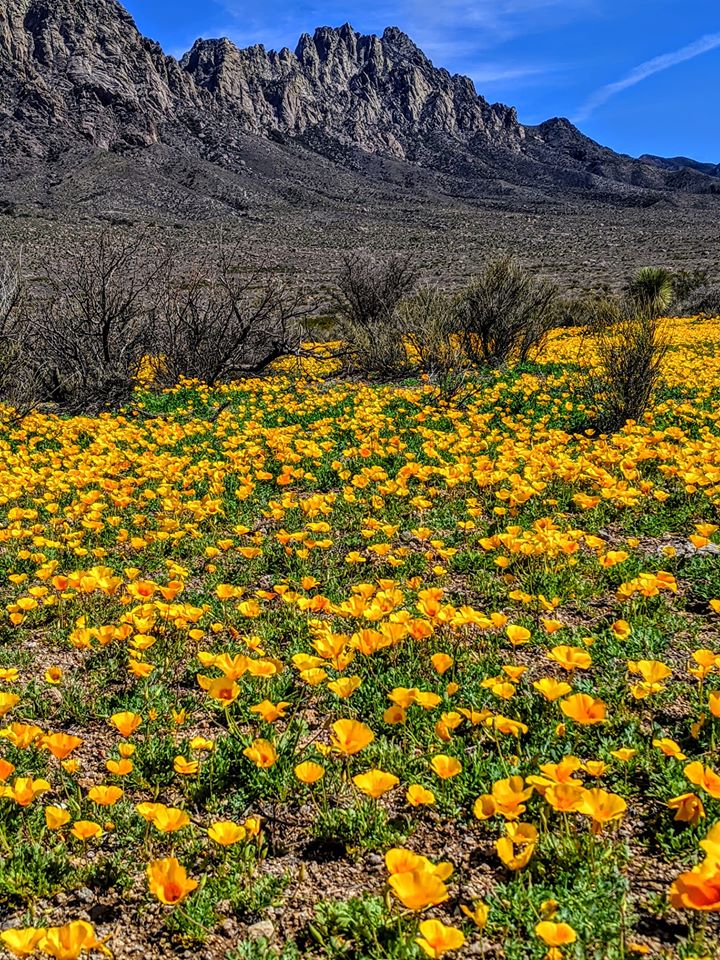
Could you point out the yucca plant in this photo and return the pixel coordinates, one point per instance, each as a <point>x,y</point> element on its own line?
<point>651,289</point>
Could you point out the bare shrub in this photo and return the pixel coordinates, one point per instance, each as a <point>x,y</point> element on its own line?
<point>702,302</point>
<point>581,311</point>
<point>686,282</point>
<point>19,374</point>
<point>366,301</point>
<point>630,348</point>
<point>10,287</point>
<point>505,314</point>
<point>94,322</point>
<point>571,311</point>
<point>428,325</point>
<point>220,323</point>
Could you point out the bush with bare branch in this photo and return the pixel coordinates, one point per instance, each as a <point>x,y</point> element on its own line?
<point>703,301</point>
<point>10,287</point>
<point>505,314</point>
<point>19,362</point>
<point>220,323</point>
<point>428,325</point>
<point>366,300</point>
<point>94,322</point>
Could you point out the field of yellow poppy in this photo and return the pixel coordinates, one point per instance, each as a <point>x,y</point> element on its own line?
<point>345,671</point>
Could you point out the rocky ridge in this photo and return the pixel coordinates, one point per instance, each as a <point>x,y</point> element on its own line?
<point>346,133</point>
<point>682,163</point>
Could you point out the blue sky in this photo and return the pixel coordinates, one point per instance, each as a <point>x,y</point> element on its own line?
<point>638,75</point>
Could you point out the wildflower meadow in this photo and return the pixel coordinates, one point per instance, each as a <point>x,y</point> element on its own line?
<point>303,666</point>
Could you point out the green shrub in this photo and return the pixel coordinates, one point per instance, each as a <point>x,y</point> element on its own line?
<point>630,347</point>
<point>505,315</point>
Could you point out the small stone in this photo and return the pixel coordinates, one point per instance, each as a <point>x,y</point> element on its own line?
<point>710,548</point>
<point>101,912</point>
<point>374,860</point>
<point>261,929</point>
<point>479,949</point>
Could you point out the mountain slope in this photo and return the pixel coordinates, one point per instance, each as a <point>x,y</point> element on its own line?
<point>227,131</point>
<point>682,163</point>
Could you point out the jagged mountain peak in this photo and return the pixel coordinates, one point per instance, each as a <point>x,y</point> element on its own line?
<point>380,93</point>
<point>400,41</point>
<point>77,74</point>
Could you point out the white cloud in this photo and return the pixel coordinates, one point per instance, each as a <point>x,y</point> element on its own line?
<point>456,34</point>
<point>458,26</point>
<point>489,73</point>
<point>647,69</point>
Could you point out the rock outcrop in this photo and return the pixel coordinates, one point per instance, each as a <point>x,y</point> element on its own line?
<point>80,70</point>
<point>381,94</point>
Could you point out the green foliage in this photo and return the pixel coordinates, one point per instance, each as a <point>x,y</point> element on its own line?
<point>586,881</point>
<point>651,290</point>
<point>364,825</point>
<point>630,346</point>
<point>32,871</point>
<point>505,315</point>
<point>360,929</point>
<point>260,949</point>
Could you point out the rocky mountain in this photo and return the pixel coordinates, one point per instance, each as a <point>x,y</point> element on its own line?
<point>682,163</point>
<point>381,94</point>
<point>97,121</point>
